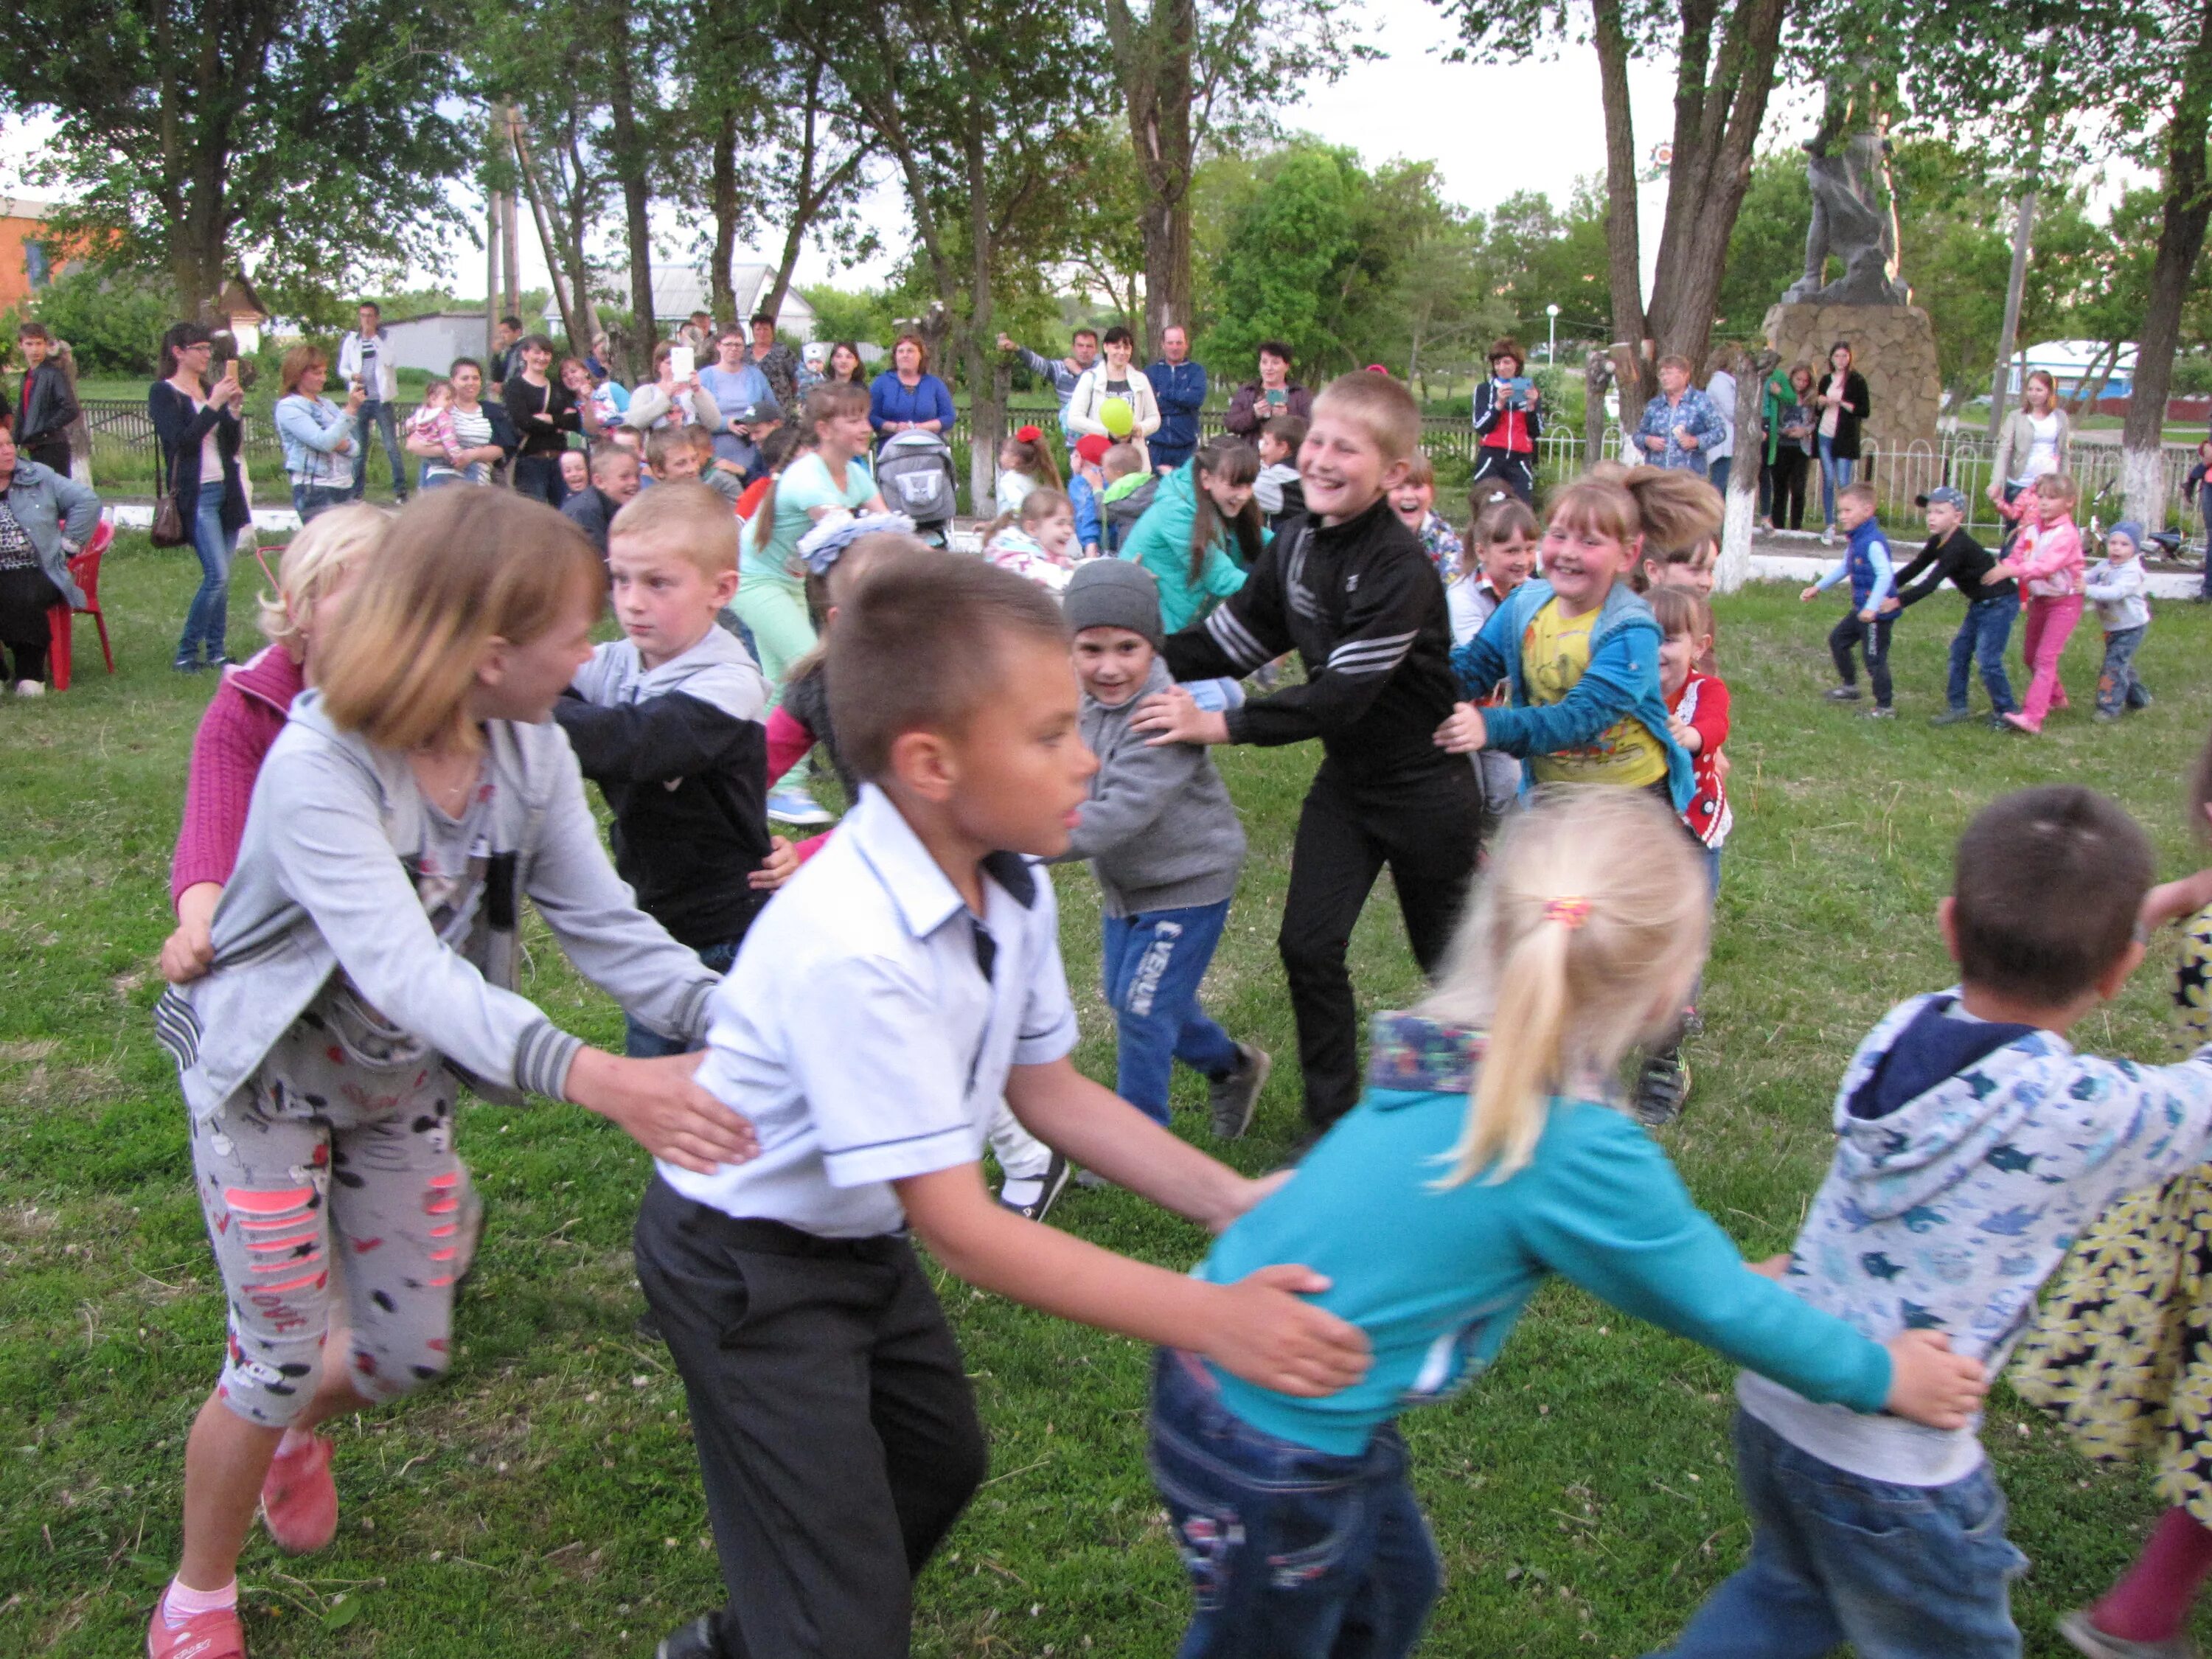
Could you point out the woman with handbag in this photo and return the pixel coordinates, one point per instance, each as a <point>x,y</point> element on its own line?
<point>202,499</point>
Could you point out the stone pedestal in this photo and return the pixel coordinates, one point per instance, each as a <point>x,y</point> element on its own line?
<point>1893,346</point>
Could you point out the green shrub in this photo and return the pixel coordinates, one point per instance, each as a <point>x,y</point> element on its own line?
<point>112,323</point>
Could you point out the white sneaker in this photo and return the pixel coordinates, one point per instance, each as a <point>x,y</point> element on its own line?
<point>30,688</point>
<point>1828,536</point>
<point>796,807</point>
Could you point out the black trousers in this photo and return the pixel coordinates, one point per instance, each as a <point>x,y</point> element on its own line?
<point>1874,638</point>
<point>836,1430</point>
<point>538,476</point>
<point>1786,485</point>
<point>1516,472</point>
<point>1427,832</point>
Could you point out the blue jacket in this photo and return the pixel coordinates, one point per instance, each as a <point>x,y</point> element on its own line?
<point>53,508</point>
<point>311,427</point>
<point>1867,561</point>
<point>1622,678</point>
<point>1439,1288</point>
<point>890,399</point>
<point>1180,390</point>
<point>1695,414</point>
<point>1089,529</point>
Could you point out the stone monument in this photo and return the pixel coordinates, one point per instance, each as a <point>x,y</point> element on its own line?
<point>1870,306</point>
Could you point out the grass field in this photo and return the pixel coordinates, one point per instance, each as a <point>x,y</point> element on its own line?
<point>544,1502</point>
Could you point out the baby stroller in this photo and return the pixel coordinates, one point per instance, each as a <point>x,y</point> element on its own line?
<point>914,475</point>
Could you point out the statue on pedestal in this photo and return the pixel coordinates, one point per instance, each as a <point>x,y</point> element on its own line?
<point>1854,200</point>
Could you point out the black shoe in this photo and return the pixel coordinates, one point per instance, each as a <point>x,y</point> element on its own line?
<point>1233,1099</point>
<point>1049,1187</point>
<point>700,1639</point>
<point>1661,1090</point>
<point>1951,717</point>
<point>1844,694</point>
<point>189,666</point>
<point>1997,722</point>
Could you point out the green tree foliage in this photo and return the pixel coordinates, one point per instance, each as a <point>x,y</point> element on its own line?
<point>311,138</point>
<point>1540,256</point>
<point>869,315</point>
<point>1766,249</point>
<point>112,320</point>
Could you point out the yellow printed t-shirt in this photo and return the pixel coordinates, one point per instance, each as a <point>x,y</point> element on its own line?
<point>1554,652</point>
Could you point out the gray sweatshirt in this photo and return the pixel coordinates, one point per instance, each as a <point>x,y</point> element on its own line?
<point>2120,592</point>
<point>323,886</point>
<point>1159,829</point>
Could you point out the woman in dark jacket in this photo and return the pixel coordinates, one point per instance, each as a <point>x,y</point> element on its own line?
<point>1842,404</point>
<point>198,429</point>
<point>545,413</point>
<point>1257,402</point>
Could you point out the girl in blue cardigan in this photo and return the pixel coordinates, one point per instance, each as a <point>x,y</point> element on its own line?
<point>1498,1161</point>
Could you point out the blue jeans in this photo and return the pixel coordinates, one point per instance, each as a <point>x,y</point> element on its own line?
<point>1837,472</point>
<point>206,621</point>
<point>310,502</point>
<point>1900,1572</point>
<point>1293,1553</point>
<point>2119,688</point>
<point>642,1041</point>
<point>1154,963</point>
<point>1718,475</point>
<point>1981,639</point>
<point>376,416</point>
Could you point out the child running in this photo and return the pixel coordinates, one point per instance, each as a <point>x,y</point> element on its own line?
<point>2122,1350</point>
<point>1951,554</point>
<point>359,958</point>
<point>1202,533</point>
<point>2046,561</point>
<point>1165,844</point>
<point>1349,588</point>
<point>1865,626</point>
<point>2116,586</point>
<point>1492,1140</point>
<point>905,983</point>
<point>1974,1144</point>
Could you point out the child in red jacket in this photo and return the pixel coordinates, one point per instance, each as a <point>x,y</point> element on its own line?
<point>1697,711</point>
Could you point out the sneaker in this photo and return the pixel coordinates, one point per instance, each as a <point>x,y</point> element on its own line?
<point>1995,722</point>
<point>2106,717</point>
<point>1951,717</point>
<point>1844,694</point>
<point>1881,711</point>
<point>700,1639</point>
<point>796,807</point>
<point>1693,1023</point>
<point>1661,1090</point>
<point>1031,1197</point>
<point>30,688</point>
<point>2085,1637</point>
<point>1828,536</point>
<point>299,1498</point>
<point>217,1635</point>
<point>188,665</point>
<point>1234,1097</point>
<point>2019,723</point>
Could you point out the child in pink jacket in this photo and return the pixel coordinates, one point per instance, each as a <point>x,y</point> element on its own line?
<point>2048,561</point>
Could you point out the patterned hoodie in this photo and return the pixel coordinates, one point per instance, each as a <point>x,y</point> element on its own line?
<point>1970,1154</point>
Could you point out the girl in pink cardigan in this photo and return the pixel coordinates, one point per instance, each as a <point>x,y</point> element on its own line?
<point>2048,561</point>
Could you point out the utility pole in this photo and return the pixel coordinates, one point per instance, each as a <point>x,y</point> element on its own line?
<point>2023,233</point>
<point>493,242</point>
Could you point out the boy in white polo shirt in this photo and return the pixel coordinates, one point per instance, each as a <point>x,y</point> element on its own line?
<point>903,983</point>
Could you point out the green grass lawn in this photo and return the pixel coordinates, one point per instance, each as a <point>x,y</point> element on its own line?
<point>544,1502</point>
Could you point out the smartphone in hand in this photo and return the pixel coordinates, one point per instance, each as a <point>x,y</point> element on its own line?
<point>683,362</point>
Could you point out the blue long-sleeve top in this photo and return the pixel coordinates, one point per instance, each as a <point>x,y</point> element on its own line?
<point>891,399</point>
<point>1439,1290</point>
<point>1868,564</point>
<point>1089,530</point>
<point>1621,682</point>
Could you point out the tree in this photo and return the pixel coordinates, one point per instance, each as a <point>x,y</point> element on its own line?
<point>1766,250</point>
<point>1541,258</point>
<point>309,135</point>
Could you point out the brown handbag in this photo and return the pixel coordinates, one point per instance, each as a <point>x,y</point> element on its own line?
<point>168,528</point>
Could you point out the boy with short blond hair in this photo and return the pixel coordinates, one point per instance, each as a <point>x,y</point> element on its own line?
<point>669,722</point>
<point>1866,625</point>
<point>907,981</point>
<point>1349,588</point>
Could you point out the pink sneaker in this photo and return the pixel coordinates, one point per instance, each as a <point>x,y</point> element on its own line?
<point>2019,723</point>
<point>299,1499</point>
<point>204,1636</point>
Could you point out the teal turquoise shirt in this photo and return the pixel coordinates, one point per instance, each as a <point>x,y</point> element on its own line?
<point>1160,541</point>
<point>1437,1277</point>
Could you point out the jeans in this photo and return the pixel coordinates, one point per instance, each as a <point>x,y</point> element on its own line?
<point>377,416</point>
<point>1874,638</point>
<point>1293,1553</point>
<point>310,502</point>
<point>1718,475</point>
<point>1981,639</point>
<point>642,1041</point>
<point>538,477</point>
<point>208,619</point>
<point>2119,688</point>
<point>1837,472</point>
<point>1900,1572</point>
<point>1154,964</point>
<point>2050,623</point>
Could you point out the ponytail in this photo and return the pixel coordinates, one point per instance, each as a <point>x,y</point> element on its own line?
<point>1522,1064</point>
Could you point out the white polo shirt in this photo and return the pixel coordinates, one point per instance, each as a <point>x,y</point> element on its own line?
<point>859,1033</point>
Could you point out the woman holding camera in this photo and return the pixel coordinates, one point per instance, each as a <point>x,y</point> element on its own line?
<point>1507,423</point>
<point>198,428</point>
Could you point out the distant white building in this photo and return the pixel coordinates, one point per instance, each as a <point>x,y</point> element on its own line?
<point>2067,362</point>
<point>677,291</point>
<point>433,341</point>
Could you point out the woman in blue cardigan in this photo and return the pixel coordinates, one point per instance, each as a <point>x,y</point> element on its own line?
<point>907,397</point>
<point>198,428</point>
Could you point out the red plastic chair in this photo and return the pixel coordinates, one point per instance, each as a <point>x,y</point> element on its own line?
<point>84,571</point>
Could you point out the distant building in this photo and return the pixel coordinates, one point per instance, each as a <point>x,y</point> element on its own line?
<point>679,291</point>
<point>433,341</point>
<point>2068,362</point>
<point>26,263</point>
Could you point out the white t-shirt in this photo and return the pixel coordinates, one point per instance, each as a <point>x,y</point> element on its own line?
<point>2042,448</point>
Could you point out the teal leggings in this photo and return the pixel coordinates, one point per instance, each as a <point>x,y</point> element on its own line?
<point>776,612</point>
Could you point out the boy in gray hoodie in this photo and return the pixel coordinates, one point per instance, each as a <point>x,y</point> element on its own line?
<point>1974,1144</point>
<point>1165,842</point>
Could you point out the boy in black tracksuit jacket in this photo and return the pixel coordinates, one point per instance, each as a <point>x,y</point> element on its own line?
<point>1951,554</point>
<point>1360,603</point>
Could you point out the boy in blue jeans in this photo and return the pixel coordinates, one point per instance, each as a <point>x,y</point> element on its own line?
<point>1951,554</point>
<point>1866,561</point>
<point>1166,846</point>
<point>1974,1145</point>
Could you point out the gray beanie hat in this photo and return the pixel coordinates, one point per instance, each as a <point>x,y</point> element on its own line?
<point>1112,593</point>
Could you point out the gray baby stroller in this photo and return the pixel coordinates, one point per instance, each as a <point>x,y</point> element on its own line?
<point>914,475</point>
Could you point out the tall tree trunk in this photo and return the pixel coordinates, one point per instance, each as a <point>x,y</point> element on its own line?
<point>571,286</point>
<point>986,408</point>
<point>808,200</point>
<point>1750,370</point>
<point>1152,61</point>
<point>720,278</point>
<point>1623,255</point>
<point>2180,240</point>
<point>491,273</point>
<point>629,162</point>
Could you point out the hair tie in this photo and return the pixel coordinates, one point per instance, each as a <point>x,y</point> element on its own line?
<point>1569,913</point>
<point>1028,434</point>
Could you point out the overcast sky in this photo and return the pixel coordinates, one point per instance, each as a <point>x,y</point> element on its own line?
<point>1491,130</point>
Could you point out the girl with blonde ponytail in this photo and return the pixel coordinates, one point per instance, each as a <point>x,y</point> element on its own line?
<point>1490,1151</point>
